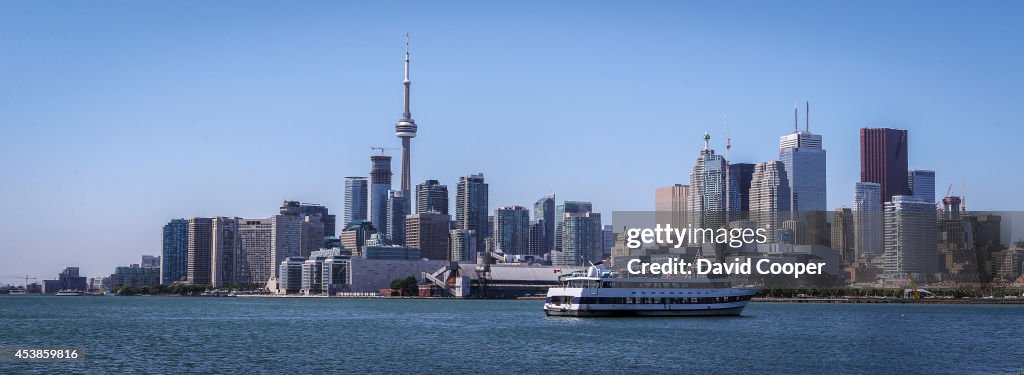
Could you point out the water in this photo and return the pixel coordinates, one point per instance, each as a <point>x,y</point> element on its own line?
<point>320,335</point>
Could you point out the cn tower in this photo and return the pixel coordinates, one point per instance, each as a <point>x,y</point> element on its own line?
<point>406,127</point>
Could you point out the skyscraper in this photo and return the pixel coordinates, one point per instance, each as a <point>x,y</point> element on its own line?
<point>405,129</point>
<point>429,232</point>
<point>910,238</point>
<point>223,252</point>
<point>883,160</point>
<point>312,234</point>
<point>431,196</point>
<point>328,220</point>
<point>490,231</point>
<point>607,240</point>
<point>463,244</point>
<point>561,210</point>
<point>200,233</point>
<point>380,185</point>
<point>356,193</point>
<point>512,230</point>
<point>399,206</point>
<point>255,237</point>
<point>921,185</point>
<point>174,256</point>
<point>544,213</point>
<point>150,261</point>
<point>314,223</point>
<point>769,197</point>
<point>957,244</point>
<point>707,189</point>
<point>989,230</point>
<point>471,205</point>
<point>582,239</point>
<point>538,241</point>
<point>804,159</point>
<point>867,219</point>
<point>286,236</point>
<point>742,175</point>
<point>842,235</point>
<point>670,205</point>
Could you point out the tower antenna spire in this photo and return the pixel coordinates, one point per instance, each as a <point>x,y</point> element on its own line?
<point>405,129</point>
<point>406,114</point>
<point>728,176</point>
<point>795,121</point>
<point>728,138</point>
<point>807,116</point>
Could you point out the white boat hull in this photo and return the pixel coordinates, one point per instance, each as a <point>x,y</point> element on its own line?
<point>587,312</point>
<point>585,302</point>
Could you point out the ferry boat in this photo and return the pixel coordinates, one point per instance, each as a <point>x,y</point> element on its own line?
<point>18,292</point>
<point>68,292</point>
<point>598,292</point>
<point>217,293</point>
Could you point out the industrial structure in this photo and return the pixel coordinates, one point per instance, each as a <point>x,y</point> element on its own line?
<point>485,279</point>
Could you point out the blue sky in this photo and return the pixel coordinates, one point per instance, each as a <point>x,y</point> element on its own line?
<point>118,116</point>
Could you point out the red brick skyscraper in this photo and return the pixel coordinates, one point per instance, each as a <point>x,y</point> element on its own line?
<point>883,160</point>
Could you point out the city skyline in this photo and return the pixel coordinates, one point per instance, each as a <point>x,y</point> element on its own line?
<point>88,138</point>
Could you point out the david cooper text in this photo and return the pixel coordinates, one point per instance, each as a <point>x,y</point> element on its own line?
<point>677,266</point>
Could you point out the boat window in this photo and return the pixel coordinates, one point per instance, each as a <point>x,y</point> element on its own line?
<point>560,300</point>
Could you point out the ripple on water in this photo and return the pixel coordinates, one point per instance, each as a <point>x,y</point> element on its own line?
<point>317,335</point>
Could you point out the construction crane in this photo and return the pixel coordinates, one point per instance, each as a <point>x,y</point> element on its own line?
<point>382,149</point>
<point>913,286</point>
<point>26,278</point>
<point>941,203</point>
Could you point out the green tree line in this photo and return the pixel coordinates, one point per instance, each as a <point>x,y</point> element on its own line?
<point>178,289</point>
<point>408,286</point>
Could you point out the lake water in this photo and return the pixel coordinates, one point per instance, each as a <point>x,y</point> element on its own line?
<point>336,335</point>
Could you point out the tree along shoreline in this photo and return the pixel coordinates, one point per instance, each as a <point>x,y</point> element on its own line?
<point>179,290</point>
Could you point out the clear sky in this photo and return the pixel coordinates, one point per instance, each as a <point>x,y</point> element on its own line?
<point>118,116</point>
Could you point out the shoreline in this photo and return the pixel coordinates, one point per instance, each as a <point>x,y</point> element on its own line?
<point>879,300</point>
<point>802,300</point>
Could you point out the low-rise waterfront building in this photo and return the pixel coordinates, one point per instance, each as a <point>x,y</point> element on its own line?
<point>336,274</point>
<point>312,276</point>
<point>134,276</point>
<point>289,279</point>
<point>67,279</point>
